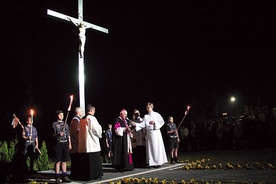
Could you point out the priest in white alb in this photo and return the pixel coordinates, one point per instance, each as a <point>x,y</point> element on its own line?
<point>155,149</point>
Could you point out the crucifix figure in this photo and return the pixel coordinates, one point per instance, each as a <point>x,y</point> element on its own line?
<point>82,37</point>
<point>82,26</point>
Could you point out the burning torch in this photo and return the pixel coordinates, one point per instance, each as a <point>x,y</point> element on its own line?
<point>68,110</point>
<point>185,114</point>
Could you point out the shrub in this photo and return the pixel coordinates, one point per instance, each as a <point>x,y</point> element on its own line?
<point>43,159</point>
<point>7,151</point>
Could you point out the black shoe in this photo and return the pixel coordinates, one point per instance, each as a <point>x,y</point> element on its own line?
<point>176,160</point>
<point>172,161</point>
<point>157,166</point>
<point>119,170</point>
<point>97,178</point>
<point>58,181</point>
<point>66,179</point>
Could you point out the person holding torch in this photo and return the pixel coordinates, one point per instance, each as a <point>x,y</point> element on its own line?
<point>62,145</point>
<point>30,135</point>
<point>173,139</point>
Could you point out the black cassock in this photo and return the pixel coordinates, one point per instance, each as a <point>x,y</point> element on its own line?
<point>122,160</point>
<point>86,166</point>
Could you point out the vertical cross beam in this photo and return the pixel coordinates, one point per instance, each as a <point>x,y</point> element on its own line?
<point>81,64</point>
<point>81,84</point>
<point>80,10</point>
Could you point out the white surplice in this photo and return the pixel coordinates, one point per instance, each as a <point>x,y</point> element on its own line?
<point>156,153</point>
<point>89,134</point>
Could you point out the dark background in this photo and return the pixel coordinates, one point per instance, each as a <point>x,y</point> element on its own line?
<point>170,53</point>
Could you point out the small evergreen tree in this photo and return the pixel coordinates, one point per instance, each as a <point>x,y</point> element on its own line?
<point>3,151</point>
<point>12,150</point>
<point>7,153</point>
<point>28,163</point>
<point>43,159</point>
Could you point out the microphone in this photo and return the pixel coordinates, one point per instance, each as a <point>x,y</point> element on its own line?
<point>129,122</point>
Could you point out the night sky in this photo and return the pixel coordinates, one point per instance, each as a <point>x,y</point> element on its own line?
<point>160,52</point>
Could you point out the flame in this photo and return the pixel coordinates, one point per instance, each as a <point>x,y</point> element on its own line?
<point>71,98</point>
<point>32,112</point>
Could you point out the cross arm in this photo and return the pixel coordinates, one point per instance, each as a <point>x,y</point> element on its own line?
<point>74,21</point>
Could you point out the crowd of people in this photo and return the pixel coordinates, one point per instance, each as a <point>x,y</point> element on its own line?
<point>253,129</point>
<point>142,142</point>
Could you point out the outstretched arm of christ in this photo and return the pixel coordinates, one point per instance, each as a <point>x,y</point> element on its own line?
<point>73,22</point>
<point>88,27</point>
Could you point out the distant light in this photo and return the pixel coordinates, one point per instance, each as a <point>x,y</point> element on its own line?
<point>224,114</point>
<point>233,99</point>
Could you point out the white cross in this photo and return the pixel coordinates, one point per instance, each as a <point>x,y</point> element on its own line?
<point>82,26</point>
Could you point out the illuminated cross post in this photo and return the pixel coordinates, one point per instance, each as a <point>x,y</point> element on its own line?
<point>82,25</point>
